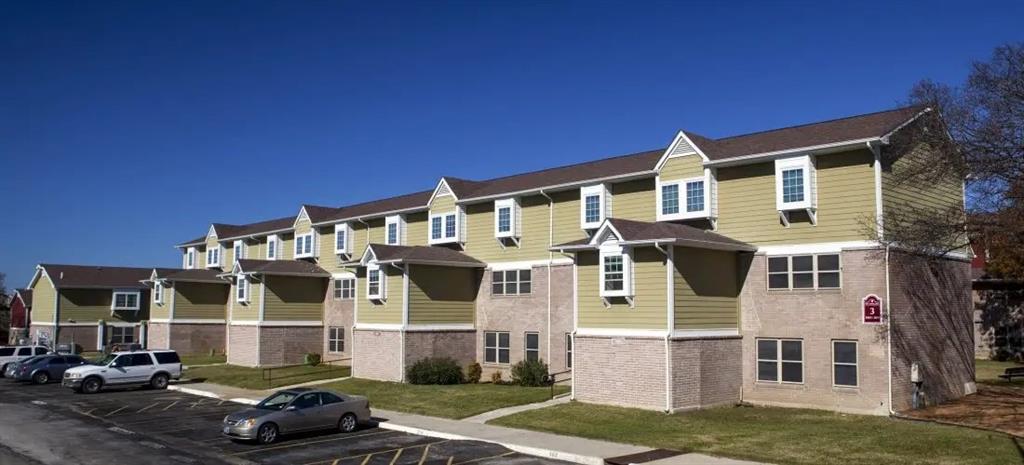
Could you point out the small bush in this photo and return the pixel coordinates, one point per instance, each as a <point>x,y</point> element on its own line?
<point>312,359</point>
<point>496,377</point>
<point>435,370</point>
<point>530,373</point>
<point>473,373</point>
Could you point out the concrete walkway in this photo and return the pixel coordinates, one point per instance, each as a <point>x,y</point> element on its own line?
<point>504,412</point>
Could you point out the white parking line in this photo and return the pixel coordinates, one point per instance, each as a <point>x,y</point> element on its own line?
<point>171,405</point>
<point>115,411</point>
<point>143,409</point>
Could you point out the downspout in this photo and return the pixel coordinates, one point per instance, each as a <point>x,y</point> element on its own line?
<point>551,256</point>
<point>670,307</point>
<point>405,315</point>
<point>888,327</point>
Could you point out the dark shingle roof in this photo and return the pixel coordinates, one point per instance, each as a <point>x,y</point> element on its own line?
<point>423,255</point>
<point>197,276</point>
<point>99,277</point>
<point>285,267</point>
<point>402,202</point>
<point>26,296</point>
<point>680,234</point>
<point>230,231</point>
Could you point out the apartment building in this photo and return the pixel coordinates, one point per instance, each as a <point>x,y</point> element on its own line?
<point>708,272</point>
<point>90,306</point>
<point>21,315</point>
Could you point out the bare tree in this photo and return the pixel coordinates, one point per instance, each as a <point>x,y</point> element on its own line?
<point>975,131</point>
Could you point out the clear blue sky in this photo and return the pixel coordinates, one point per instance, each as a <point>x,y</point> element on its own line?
<point>126,127</point>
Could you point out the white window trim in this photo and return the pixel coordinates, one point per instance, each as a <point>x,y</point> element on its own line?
<point>805,164</point>
<point>444,222</point>
<point>682,214</point>
<point>612,250</point>
<point>243,287</point>
<point>158,293</point>
<point>343,228</point>
<point>399,223</point>
<point>300,241</point>
<point>513,218</point>
<point>778,361</point>
<point>586,191</point>
<point>498,348</point>
<point>113,300</point>
<point>382,292</point>
<point>856,365</point>
<point>814,272</point>
<point>273,238</point>
<point>338,292</point>
<point>217,252</point>
<point>519,282</point>
<point>331,339</point>
<point>238,249</point>
<point>190,258</point>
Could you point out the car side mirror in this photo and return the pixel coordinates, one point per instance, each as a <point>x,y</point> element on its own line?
<point>291,408</point>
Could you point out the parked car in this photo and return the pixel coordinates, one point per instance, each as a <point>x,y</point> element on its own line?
<point>12,368</point>
<point>154,368</point>
<point>13,354</point>
<point>297,410</point>
<point>42,369</point>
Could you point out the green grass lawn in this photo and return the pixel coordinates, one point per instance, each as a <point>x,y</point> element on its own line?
<point>203,359</point>
<point>988,371</point>
<point>776,435</point>
<point>458,401</point>
<point>252,378</point>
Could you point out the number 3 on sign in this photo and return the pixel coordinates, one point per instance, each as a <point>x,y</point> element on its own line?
<point>872,309</point>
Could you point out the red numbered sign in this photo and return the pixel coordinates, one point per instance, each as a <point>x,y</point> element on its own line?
<point>872,307</point>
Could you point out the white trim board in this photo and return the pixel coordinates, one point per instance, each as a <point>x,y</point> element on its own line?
<point>441,327</point>
<point>503,266</point>
<point>277,323</point>
<point>617,332</point>
<point>377,326</point>
<point>824,247</point>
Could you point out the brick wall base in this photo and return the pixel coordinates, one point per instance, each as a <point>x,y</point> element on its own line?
<point>189,338</point>
<point>459,345</point>
<point>241,345</point>
<point>47,331</point>
<point>82,336</point>
<point>705,372</point>
<point>376,355</point>
<point>622,371</point>
<point>288,345</point>
<point>158,336</point>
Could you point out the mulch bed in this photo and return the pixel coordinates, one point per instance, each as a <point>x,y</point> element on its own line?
<point>993,407</point>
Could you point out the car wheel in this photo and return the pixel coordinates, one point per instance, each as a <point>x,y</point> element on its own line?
<point>3,370</point>
<point>159,381</point>
<point>91,385</point>
<point>348,423</point>
<point>267,433</point>
<point>41,378</point>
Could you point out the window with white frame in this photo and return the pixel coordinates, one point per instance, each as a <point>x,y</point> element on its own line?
<point>273,246</point>
<point>336,339</point>
<point>394,233</point>
<point>444,228</point>
<point>511,282</point>
<point>125,300</point>
<point>242,289</point>
<point>304,245</point>
<point>844,363</point>
<point>532,346</point>
<point>684,199</point>
<point>158,293</point>
<point>818,271</point>
<point>190,258</point>
<point>780,360</point>
<point>616,268</point>
<point>695,196</point>
<point>344,288</point>
<point>341,239</point>
<point>122,334</point>
<point>794,183</point>
<point>506,218</point>
<point>593,205</point>
<point>670,198</point>
<point>238,249</point>
<point>375,283</point>
<point>496,347</point>
<point>213,256</point>
<point>568,350</point>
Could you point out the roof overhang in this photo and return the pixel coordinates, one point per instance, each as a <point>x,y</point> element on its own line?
<point>561,187</point>
<point>821,149</point>
<point>371,216</point>
<point>681,139</point>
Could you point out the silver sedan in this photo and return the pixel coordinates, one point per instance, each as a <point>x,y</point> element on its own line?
<point>295,411</point>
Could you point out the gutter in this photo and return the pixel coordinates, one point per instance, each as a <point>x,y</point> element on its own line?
<point>780,153</point>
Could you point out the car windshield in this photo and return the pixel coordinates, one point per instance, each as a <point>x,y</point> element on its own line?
<point>33,359</point>
<point>276,401</point>
<point>105,360</point>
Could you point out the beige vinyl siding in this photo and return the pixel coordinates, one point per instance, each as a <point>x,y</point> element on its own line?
<point>302,226</point>
<point>902,197</point>
<point>377,234</point>
<point>567,216</point>
<point>228,260</point>
<point>287,246</point>
<point>247,311</point>
<point>416,229</point>
<point>442,295</point>
<point>256,249</point>
<point>442,204</point>
<point>377,312</point>
<point>363,234</point>
<point>291,298</point>
<point>328,259</point>
<point>706,286</point>
<point>684,167</point>
<point>195,301</point>
<point>161,311</point>
<point>44,298</point>
<point>846,202</point>
<point>634,200</point>
<point>211,243</point>
<point>534,233</point>
<point>649,283</point>
<point>90,305</point>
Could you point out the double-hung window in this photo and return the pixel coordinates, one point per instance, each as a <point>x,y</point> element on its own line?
<point>158,293</point>
<point>393,227</point>
<point>190,258</point>
<point>375,283</point>
<point>273,246</point>
<point>683,199</point>
<point>506,218</point>
<point>122,335</point>
<point>125,300</point>
<point>344,288</point>
<point>844,363</point>
<point>820,271</point>
<point>780,360</point>
<point>532,345</point>
<point>238,250</point>
<point>616,268</point>
<point>304,245</point>
<point>444,228</point>
<point>794,183</point>
<point>341,239</point>
<point>593,205</point>
<point>496,347</point>
<point>242,289</point>
<point>336,339</point>
<point>511,282</point>
<point>213,256</point>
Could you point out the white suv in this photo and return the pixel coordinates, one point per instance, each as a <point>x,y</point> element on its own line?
<point>11,354</point>
<point>154,368</point>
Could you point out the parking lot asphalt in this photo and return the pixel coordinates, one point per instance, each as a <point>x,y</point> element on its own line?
<point>160,419</point>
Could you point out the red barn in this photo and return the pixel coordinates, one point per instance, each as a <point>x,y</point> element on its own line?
<point>21,313</point>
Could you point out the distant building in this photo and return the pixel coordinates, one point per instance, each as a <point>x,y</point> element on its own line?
<point>998,311</point>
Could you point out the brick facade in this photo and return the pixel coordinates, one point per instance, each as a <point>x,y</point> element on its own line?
<point>459,345</point>
<point>518,315</point>
<point>242,348</point>
<point>377,355</point>
<point>705,372</point>
<point>188,338</point>
<point>82,336</point>
<point>341,313</point>
<point>288,345</point>
<point>158,336</point>
<point>621,371</point>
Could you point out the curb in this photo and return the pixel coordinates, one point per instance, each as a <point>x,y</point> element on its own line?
<point>198,392</point>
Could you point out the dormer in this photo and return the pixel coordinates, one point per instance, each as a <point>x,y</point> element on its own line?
<point>307,238</point>
<point>508,221</point>
<point>685,188</point>
<point>447,219</point>
<point>343,239</point>
<point>595,205</point>
<point>376,277</point>
<point>795,187</point>
<point>394,230</point>
<point>214,251</point>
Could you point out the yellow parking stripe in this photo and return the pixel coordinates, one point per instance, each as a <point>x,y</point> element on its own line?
<point>450,459</point>
<point>424,456</point>
<point>285,446</point>
<point>397,455</point>
<point>367,459</point>
<point>485,458</point>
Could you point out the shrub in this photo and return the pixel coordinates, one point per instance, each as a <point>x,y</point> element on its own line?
<point>530,373</point>
<point>496,377</point>
<point>312,359</point>
<point>435,370</point>
<point>473,373</point>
